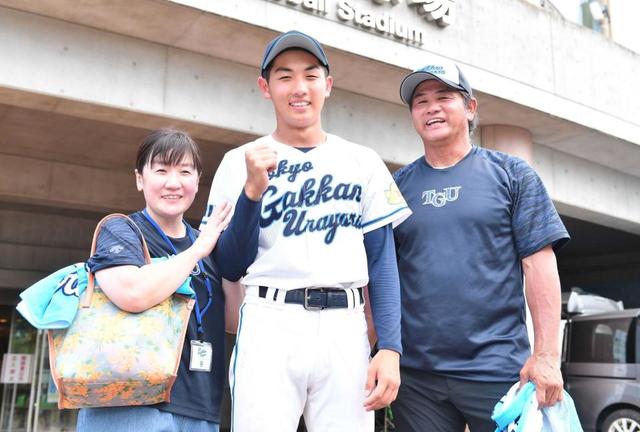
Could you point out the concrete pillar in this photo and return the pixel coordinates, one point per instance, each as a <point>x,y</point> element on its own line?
<point>513,140</point>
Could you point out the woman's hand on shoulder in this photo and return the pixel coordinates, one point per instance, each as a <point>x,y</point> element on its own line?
<point>209,235</point>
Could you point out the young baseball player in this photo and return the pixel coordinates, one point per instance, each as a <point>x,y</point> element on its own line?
<point>325,232</point>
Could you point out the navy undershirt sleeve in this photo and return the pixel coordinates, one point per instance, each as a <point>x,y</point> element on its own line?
<point>237,246</point>
<point>384,287</point>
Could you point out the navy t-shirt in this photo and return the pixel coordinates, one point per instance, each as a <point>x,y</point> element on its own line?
<point>459,259</point>
<point>194,394</point>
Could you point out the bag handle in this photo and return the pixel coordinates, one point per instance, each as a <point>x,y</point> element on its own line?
<point>85,302</point>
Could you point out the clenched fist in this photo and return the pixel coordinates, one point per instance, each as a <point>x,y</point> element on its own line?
<point>260,159</point>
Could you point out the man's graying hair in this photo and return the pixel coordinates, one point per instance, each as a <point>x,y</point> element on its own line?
<point>474,122</point>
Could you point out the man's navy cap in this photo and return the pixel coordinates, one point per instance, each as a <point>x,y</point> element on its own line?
<point>292,39</point>
<point>446,72</point>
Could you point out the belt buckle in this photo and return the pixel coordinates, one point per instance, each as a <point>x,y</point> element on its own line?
<point>306,301</point>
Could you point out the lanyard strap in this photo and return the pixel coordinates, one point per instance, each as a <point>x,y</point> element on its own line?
<point>199,312</point>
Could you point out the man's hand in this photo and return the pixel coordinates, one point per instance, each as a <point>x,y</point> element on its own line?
<point>260,160</point>
<point>383,379</point>
<point>544,371</point>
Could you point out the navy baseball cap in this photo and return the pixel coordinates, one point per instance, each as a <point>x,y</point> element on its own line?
<point>292,39</point>
<point>446,72</point>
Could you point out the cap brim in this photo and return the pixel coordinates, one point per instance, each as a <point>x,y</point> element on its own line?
<point>413,80</point>
<point>300,41</point>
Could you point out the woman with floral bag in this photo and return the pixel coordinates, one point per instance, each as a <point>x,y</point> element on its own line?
<point>168,168</point>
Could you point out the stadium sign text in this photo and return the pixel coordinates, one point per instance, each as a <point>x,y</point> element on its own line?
<point>349,11</point>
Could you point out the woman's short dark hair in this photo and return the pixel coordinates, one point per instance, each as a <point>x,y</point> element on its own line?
<point>168,146</point>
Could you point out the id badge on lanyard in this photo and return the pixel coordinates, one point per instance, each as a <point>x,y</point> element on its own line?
<point>201,356</point>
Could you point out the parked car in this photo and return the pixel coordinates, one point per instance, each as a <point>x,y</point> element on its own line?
<point>601,368</point>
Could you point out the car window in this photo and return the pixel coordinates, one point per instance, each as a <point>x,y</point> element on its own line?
<point>603,341</point>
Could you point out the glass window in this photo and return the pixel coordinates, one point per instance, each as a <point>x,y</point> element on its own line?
<point>603,341</point>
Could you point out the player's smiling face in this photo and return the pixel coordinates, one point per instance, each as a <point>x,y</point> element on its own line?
<point>298,87</point>
<point>169,190</point>
<point>439,113</point>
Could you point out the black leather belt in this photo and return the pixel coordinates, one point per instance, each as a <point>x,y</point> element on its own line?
<point>317,298</point>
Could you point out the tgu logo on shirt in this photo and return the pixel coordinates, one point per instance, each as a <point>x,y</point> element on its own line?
<point>440,199</point>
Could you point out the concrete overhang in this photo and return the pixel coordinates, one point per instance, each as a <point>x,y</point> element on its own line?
<point>362,63</point>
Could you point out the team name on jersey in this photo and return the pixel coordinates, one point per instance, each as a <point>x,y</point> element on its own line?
<point>290,206</point>
<point>292,169</point>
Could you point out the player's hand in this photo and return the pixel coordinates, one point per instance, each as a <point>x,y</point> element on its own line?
<point>260,159</point>
<point>210,233</point>
<point>383,379</point>
<point>544,371</point>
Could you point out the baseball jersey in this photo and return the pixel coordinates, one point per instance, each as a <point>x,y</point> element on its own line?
<point>459,260</point>
<point>315,211</point>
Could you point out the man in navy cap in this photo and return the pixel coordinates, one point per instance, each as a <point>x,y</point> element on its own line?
<point>481,221</point>
<point>325,231</point>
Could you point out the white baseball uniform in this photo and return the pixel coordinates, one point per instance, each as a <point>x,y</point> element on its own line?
<point>315,212</point>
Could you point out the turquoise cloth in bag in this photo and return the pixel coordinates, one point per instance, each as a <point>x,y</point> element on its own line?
<point>517,411</point>
<point>52,302</point>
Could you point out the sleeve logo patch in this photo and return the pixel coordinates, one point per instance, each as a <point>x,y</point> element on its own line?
<point>394,197</point>
<point>116,249</point>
